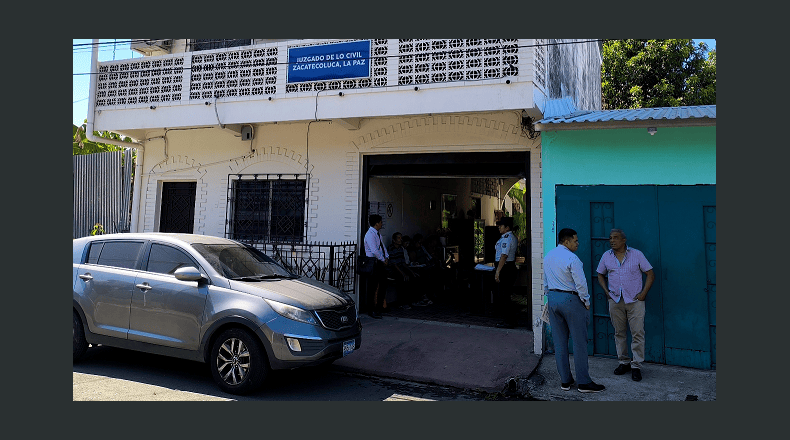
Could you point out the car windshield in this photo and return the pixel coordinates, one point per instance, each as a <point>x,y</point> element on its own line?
<point>237,262</point>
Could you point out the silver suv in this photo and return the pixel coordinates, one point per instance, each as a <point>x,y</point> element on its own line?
<point>207,299</point>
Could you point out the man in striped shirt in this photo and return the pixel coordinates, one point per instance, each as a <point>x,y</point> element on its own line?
<point>623,266</point>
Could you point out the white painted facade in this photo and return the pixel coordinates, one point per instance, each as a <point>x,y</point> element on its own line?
<point>327,136</point>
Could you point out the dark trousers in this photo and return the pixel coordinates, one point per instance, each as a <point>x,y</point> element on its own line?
<point>404,288</point>
<point>502,292</point>
<point>429,283</point>
<point>377,287</point>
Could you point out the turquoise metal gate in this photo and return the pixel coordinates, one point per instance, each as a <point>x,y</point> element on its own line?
<point>675,227</point>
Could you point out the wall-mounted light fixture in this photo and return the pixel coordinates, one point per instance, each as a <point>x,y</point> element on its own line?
<point>432,205</point>
<point>652,130</point>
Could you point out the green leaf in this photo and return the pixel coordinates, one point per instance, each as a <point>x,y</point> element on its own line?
<point>656,73</point>
<point>90,147</point>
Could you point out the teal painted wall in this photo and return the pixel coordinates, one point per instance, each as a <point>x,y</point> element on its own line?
<point>673,156</point>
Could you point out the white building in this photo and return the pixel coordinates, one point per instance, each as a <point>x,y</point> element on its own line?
<point>317,130</point>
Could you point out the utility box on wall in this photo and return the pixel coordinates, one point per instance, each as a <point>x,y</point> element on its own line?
<point>246,132</point>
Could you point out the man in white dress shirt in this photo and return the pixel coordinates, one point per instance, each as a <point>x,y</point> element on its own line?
<point>374,247</point>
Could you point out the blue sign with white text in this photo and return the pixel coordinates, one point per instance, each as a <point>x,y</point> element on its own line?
<point>329,61</point>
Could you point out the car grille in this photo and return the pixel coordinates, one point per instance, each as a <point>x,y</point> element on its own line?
<point>337,319</point>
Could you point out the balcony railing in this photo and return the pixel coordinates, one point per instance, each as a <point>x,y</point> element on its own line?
<point>260,71</point>
<point>331,263</point>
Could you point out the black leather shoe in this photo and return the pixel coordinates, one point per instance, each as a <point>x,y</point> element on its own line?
<point>591,387</point>
<point>567,386</point>
<point>636,375</point>
<point>622,369</point>
<point>375,315</point>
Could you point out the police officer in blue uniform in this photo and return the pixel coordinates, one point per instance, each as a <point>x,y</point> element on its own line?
<point>505,275</point>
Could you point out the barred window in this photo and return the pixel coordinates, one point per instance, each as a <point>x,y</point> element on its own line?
<point>208,44</point>
<point>266,208</point>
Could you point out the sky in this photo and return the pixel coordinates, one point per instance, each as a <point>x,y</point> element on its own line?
<point>82,65</point>
<point>107,52</point>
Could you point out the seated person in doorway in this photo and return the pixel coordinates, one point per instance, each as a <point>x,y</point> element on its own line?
<point>420,264</point>
<point>398,271</point>
<point>419,256</point>
<point>410,254</point>
<point>407,249</point>
<point>434,249</point>
<point>435,271</point>
<point>411,251</point>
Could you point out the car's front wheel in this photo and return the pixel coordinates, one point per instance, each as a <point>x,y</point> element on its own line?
<point>78,335</point>
<point>238,362</point>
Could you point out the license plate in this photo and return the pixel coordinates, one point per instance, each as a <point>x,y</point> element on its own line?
<point>348,347</point>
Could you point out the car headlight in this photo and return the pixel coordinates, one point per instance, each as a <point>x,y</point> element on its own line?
<point>292,312</point>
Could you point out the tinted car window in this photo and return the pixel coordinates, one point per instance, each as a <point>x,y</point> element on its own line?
<point>166,259</point>
<point>93,253</point>
<point>235,261</point>
<point>120,254</point>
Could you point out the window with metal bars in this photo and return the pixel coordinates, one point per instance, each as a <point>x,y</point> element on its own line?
<point>208,44</point>
<point>266,208</point>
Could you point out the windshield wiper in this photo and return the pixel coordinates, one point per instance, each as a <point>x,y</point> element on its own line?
<point>276,276</point>
<point>248,278</point>
<point>263,277</point>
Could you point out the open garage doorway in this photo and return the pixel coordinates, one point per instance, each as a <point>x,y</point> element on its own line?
<point>452,201</point>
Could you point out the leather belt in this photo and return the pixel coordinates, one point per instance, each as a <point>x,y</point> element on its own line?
<point>564,291</point>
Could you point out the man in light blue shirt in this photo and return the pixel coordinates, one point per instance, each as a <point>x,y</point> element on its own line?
<point>569,304</point>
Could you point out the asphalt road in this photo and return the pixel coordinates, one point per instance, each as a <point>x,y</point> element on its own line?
<point>111,374</point>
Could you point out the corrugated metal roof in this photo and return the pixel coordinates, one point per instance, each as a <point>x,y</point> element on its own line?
<point>639,114</point>
<point>558,107</point>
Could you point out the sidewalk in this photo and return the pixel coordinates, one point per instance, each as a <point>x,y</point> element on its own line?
<point>659,382</point>
<point>457,355</point>
<point>484,358</point>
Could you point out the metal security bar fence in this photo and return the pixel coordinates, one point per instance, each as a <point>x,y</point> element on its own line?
<point>266,207</point>
<point>102,192</point>
<point>242,72</point>
<point>331,263</point>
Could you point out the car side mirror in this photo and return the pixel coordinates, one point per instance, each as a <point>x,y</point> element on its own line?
<point>188,273</point>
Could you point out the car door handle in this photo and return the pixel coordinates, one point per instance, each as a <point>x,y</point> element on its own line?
<point>86,277</point>
<point>144,286</point>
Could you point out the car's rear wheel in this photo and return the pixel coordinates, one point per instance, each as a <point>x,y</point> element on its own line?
<point>80,344</point>
<point>238,362</point>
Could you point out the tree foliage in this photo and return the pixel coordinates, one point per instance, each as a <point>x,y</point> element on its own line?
<point>81,145</point>
<point>657,73</point>
<point>518,193</point>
